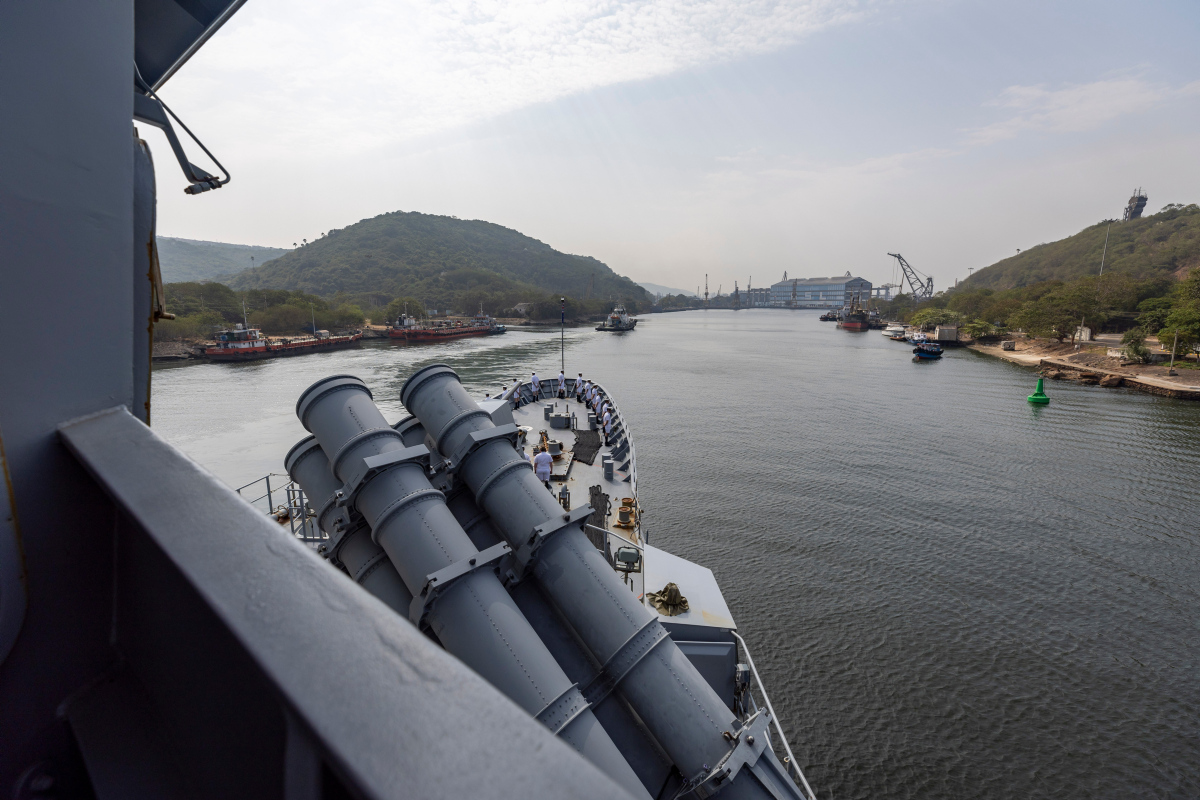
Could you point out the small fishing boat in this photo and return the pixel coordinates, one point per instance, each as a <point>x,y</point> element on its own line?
<point>928,350</point>
<point>894,331</point>
<point>916,337</point>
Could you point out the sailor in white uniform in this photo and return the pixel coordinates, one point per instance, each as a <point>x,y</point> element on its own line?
<point>579,386</point>
<point>536,385</point>
<point>542,464</point>
<point>562,385</point>
<point>607,425</point>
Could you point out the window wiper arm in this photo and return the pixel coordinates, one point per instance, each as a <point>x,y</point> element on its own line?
<point>149,108</point>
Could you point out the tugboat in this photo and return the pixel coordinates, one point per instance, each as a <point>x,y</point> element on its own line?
<point>618,320</point>
<point>248,344</point>
<point>928,351</point>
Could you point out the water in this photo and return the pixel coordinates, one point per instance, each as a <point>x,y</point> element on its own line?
<point>950,593</point>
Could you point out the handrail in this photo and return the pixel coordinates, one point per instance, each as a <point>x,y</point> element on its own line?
<point>774,718</point>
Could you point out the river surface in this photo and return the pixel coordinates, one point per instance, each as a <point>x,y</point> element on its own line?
<point>950,593</point>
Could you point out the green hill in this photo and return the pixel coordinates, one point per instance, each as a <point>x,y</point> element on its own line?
<point>1163,245</point>
<point>194,260</point>
<point>444,261</point>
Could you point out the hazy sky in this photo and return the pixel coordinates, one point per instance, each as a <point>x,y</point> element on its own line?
<point>670,138</point>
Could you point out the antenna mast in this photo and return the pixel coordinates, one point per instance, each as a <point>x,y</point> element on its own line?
<point>706,290</point>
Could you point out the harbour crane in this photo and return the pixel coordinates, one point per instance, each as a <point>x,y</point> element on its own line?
<point>737,297</point>
<point>706,290</point>
<point>921,285</point>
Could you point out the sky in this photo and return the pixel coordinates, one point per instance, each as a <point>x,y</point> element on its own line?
<point>674,138</point>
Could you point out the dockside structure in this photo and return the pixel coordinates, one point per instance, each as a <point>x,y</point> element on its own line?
<point>819,292</point>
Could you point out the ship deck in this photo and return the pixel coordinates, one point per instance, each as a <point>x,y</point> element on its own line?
<point>580,469</point>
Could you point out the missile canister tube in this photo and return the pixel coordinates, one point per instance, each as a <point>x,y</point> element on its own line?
<point>677,705</point>
<point>643,754</point>
<point>474,618</point>
<point>364,560</point>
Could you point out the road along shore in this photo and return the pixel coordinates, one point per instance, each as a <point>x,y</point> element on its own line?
<point>1088,366</point>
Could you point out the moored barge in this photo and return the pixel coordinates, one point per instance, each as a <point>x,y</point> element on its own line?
<point>248,344</point>
<point>409,329</point>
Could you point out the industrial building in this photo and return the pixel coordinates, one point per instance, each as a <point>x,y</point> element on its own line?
<point>819,292</point>
<point>756,298</point>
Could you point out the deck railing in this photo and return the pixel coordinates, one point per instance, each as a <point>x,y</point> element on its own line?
<point>293,507</point>
<point>789,762</point>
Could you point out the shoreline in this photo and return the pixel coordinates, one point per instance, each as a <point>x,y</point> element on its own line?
<point>1149,384</point>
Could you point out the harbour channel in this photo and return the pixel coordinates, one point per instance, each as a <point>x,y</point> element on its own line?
<point>950,593</point>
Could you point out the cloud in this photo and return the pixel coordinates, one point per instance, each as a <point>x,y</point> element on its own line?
<point>1074,108</point>
<point>366,73</point>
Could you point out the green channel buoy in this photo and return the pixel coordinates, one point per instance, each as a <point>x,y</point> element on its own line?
<point>1038,395</point>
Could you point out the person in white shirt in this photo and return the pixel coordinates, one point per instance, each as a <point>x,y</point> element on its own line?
<point>607,425</point>
<point>536,385</point>
<point>579,387</point>
<point>562,385</point>
<point>542,464</point>
<point>524,453</point>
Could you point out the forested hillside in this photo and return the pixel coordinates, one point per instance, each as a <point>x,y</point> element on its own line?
<point>444,261</point>
<point>194,260</point>
<point>1160,246</point>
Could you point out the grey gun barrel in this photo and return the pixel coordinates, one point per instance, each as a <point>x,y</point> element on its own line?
<point>678,706</point>
<point>366,562</point>
<point>466,607</point>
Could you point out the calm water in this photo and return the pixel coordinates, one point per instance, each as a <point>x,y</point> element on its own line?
<point>950,593</point>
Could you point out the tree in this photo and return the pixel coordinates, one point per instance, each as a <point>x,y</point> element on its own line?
<point>1186,320</point>
<point>928,318</point>
<point>1050,317</point>
<point>1153,313</point>
<point>978,329</point>
<point>1135,345</point>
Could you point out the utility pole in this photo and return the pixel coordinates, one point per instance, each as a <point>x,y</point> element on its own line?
<point>313,311</point>
<point>1105,251</point>
<point>245,319</point>
<point>1171,370</point>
